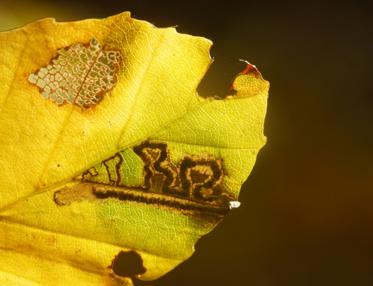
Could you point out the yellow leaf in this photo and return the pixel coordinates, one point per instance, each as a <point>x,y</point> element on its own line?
<point>111,165</point>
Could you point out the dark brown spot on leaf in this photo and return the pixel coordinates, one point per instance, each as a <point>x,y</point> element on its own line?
<point>68,195</point>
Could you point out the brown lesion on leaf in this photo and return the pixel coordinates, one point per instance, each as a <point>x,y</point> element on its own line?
<point>94,191</point>
<point>188,207</point>
<point>75,193</point>
<point>202,176</point>
<point>194,185</point>
<point>91,172</point>
<point>196,178</point>
<point>159,170</point>
<point>112,166</point>
<point>80,74</point>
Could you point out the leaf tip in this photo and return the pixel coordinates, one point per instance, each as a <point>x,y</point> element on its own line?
<point>249,82</point>
<point>250,68</point>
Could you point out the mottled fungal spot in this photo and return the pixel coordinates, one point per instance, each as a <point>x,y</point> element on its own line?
<point>80,74</point>
<point>128,264</point>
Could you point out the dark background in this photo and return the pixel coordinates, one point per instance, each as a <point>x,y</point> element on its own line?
<point>307,208</point>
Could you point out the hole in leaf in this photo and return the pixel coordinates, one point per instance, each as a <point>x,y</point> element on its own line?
<point>220,75</point>
<point>128,264</point>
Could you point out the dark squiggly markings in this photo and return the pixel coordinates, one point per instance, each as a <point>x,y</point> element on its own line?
<point>194,184</point>
<point>92,172</point>
<point>151,198</point>
<point>201,176</point>
<point>193,176</point>
<point>111,170</point>
<point>155,158</point>
<point>197,178</point>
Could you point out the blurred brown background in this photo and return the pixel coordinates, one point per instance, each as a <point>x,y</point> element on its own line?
<point>307,209</point>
